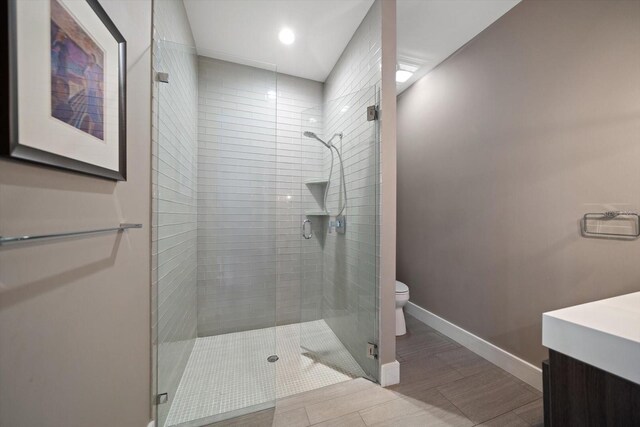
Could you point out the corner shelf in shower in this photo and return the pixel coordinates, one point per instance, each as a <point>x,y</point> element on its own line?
<point>317,213</point>
<point>316,181</point>
<point>314,185</point>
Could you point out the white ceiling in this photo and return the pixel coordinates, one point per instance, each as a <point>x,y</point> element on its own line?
<point>246,31</point>
<point>431,30</point>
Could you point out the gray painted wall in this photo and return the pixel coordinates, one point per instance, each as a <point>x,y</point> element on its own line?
<point>502,149</point>
<point>74,313</point>
<point>174,206</point>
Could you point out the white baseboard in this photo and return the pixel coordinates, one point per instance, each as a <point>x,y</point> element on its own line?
<point>152,423</point>
<point>390,374</point>
<point>513,364</point>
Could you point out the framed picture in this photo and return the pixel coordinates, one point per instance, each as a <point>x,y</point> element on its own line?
<point>64,87</point>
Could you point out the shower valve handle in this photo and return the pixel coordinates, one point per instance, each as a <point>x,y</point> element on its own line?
<point>304,231</point>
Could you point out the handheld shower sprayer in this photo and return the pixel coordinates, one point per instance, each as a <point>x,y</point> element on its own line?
<point>331,147</point>
<point>312,135</point>
<point>329,144</point>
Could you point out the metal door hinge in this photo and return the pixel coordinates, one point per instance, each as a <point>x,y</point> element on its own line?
<point>372,113</point>
<point>372,350</point>
<point>163,77</point>
<point>162,398</point>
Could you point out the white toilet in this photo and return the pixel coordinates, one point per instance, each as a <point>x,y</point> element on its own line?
<point>402,298</point>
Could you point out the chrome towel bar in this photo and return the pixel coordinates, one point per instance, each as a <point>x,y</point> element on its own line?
<point>607,216</point>
<point>15,239</point>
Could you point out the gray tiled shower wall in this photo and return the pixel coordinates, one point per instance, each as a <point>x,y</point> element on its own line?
<point>174,180</point>
<point>350,291</point>
<point>251,198</point>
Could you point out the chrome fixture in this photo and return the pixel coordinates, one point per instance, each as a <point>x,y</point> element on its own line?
<point>330,146</point>
<point>608,216</point>
<point>340,224</point>
<point>304,232</point>
<point>6,240</point>
<point>314,136</point>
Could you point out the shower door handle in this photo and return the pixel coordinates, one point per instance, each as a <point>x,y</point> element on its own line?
<point>304,229</point>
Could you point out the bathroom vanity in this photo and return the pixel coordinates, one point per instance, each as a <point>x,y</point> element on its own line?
<point>592,377</point>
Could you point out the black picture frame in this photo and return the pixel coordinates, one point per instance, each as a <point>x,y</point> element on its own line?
<point>10,146</point>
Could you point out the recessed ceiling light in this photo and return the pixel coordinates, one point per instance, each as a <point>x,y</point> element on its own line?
<point>403,75</point>
<point>286,36</point>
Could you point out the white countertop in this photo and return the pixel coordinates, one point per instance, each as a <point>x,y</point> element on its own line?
<point>605,334</point>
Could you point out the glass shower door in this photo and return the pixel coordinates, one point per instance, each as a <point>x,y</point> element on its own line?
<point>214,242</point>
<point>173,241</point>
<point>339,251</point>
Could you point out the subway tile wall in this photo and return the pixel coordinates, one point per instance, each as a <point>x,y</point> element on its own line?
<point>251,197</point>
<point>300,160</point>
<point>350,291</point>
<point>174,235</point>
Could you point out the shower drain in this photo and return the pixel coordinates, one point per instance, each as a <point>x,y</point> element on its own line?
<point>273,358</point>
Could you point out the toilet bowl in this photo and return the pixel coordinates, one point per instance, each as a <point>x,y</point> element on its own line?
<point>402,298</point>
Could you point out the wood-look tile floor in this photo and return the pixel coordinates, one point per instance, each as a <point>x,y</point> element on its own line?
<point>442,384</point>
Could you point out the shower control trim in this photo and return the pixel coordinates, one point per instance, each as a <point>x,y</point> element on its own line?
<point>340,224</point>
<point>304,229</point>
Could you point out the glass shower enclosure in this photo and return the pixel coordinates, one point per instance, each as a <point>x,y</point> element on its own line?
<point>265,239</point>
<point>341,207</point>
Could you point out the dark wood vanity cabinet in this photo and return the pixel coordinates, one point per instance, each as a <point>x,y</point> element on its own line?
<point>581,395</point>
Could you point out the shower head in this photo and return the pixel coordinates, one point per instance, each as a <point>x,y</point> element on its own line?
<point>314,136</point>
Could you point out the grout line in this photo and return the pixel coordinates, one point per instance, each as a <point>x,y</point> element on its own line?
<point>518,415</point>
<point>340,416</point>
<point>357,410</point>
<point>306,414</point>
<point>453,404</point>
<point>498,416</point>
<point>323,398</point>
<point>477,374</point>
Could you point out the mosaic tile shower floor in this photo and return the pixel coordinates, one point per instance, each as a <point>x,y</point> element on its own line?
<point>226,373</point>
